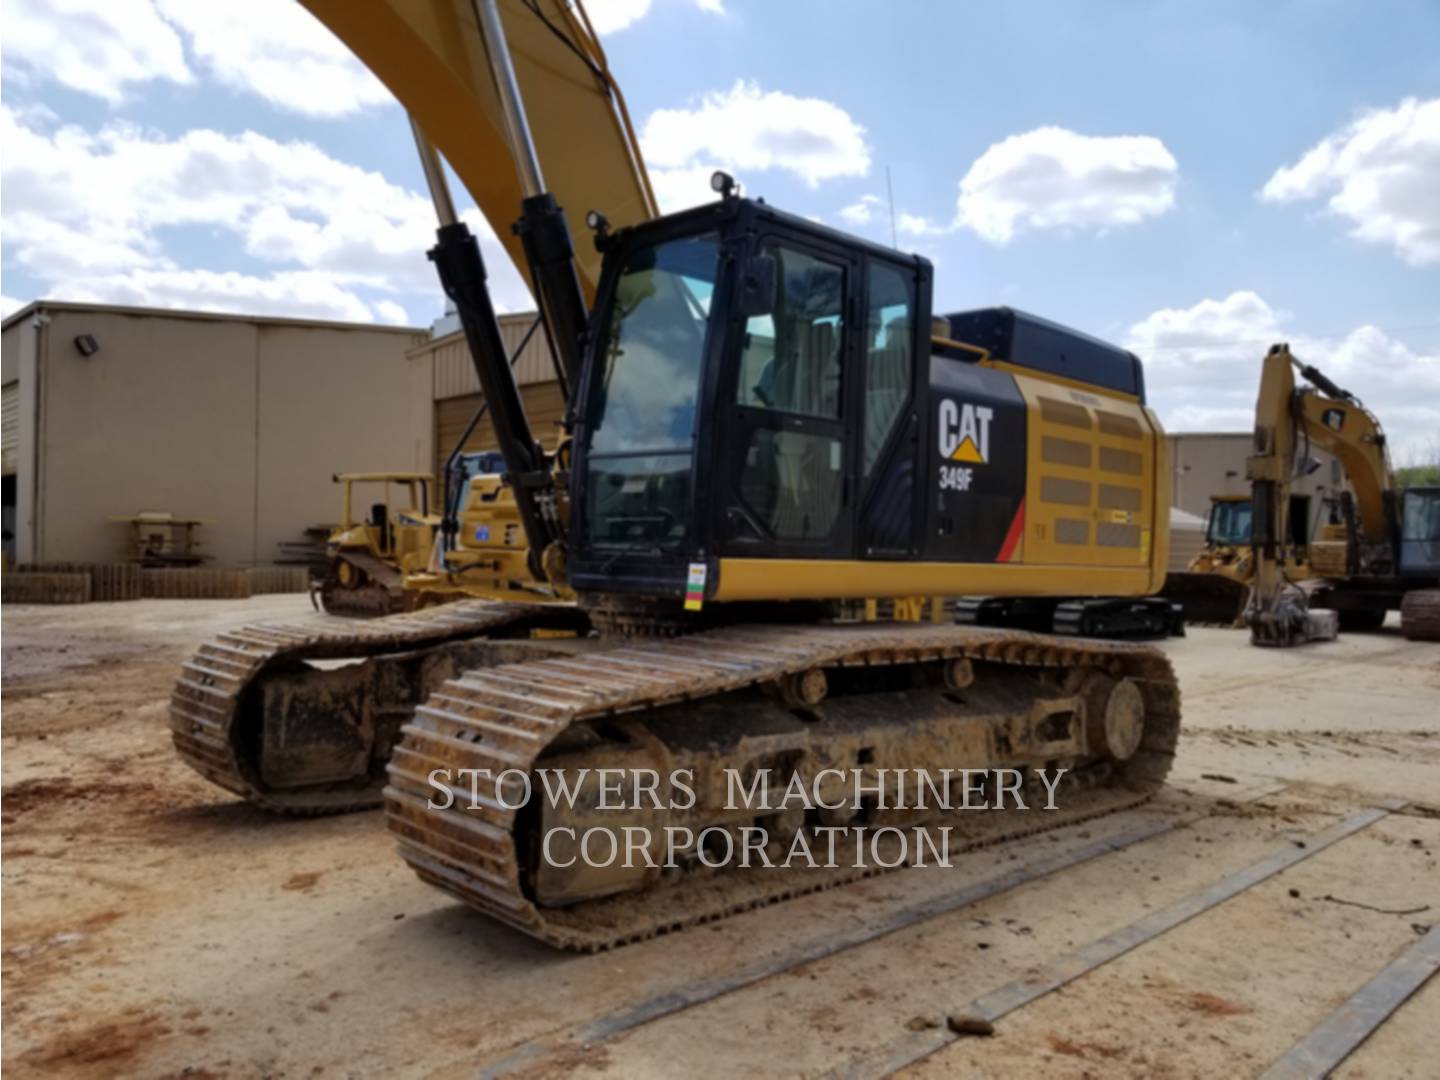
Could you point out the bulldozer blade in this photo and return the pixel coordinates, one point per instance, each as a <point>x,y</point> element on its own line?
<point>1206,598</point>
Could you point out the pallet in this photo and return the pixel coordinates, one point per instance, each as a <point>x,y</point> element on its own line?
<point>108,581</point>
<point>46,588</point>
<point>191,583</point>
<point>82,583</point>
<point>265,580</point>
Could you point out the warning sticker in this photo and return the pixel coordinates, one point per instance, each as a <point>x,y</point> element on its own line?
<point>695,587</point>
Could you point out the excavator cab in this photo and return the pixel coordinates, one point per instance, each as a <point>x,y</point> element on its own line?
<point>747,377</point>
<point>1420,532</point>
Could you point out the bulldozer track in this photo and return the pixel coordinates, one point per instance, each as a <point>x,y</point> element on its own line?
<point>207,705</point>
<point>383,591</point>
<point>503,718</point>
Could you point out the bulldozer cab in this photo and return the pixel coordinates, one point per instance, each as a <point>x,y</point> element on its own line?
<point>384,514</point>
<point>1232,519</point>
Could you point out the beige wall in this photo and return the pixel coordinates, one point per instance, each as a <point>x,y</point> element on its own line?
<point>331,400</point>
<point>1207,464</point>
<point>238,421</point>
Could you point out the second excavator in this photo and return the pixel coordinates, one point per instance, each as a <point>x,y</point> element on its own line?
<point>766,423</point>
<point>1383,556</point>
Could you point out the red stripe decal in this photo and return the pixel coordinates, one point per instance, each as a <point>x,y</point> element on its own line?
<point>1012,538</point>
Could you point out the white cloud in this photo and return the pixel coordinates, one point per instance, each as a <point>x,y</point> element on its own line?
<point>611,16</point>
<point>1202,368</point>
<point>916,225</point>
<point>98,47</point>
<point>391,312</point>
<point>279,51</point>
<point>87,213</point>
<point>1382,172</point>
<point>680,189</point>
<point>272,48</point>
<point>748,129</point>
<point>862,210</point>
<point>301,294</point>
<point>9,305</point>
<point>1052,178</point>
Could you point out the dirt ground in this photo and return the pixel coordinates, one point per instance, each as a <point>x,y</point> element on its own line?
<point>153,925</point>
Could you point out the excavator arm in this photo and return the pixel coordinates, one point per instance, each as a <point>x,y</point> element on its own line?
<point>1289,419</point>
<point>517,96</point>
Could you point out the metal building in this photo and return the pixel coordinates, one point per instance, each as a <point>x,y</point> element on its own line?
<point>1209,463</point>
<point>444,366</point>
<point>237,420</point>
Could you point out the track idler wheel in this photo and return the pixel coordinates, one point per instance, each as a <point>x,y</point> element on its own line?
<point>1114,717</point>
<point>959,674</point>
<point>804,690</point>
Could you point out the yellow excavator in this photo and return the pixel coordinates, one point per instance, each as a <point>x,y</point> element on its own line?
<point>767,424</point>
<point>1383,556</point>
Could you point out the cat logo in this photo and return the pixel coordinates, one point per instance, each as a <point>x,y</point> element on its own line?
<point>965,432</point>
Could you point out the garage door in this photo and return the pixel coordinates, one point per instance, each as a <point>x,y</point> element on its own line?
<point>10,427</point>
<point>544,405</point>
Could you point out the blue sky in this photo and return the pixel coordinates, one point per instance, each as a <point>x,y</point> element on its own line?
<point>1192,180</point>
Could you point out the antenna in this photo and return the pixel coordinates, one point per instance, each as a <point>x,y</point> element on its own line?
<point>890,190</point>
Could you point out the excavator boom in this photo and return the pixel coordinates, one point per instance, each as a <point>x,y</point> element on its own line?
<point>433,58</point>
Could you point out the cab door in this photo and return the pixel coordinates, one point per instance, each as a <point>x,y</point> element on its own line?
<point>885,390</point>
<point>787,487</point>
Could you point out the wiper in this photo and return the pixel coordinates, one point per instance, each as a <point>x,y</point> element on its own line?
<point>630,549</point>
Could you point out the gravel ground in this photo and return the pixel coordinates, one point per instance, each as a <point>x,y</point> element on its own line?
<point>153,925</point>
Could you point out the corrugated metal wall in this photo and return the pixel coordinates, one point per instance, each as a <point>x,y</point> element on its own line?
<point>454,374</point>
<point>9,428</point>
<point>544,405</point>
<point>456,391</point>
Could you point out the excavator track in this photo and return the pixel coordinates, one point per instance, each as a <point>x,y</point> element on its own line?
<point>251,713</point>
<point>670,702</point>
<point>1420,615</point>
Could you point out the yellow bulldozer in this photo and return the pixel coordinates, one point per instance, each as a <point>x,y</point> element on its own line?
<point>1214,586</point>
<point>767,424</point>
<point>370,552</point>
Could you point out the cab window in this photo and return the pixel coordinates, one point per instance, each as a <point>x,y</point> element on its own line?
<point>790,361</point>
<point>889,355</point>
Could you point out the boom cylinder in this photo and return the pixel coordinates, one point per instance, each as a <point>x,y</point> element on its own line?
<point>543,232</point>
<point>551,254</point>
<point>456,256</point>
